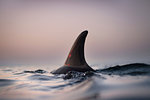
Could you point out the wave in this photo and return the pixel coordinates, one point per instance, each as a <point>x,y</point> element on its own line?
<point>36,71</point>
<point>129,69</point>
<point>6,82</point>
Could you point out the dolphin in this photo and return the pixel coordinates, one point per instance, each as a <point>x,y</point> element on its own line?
<point>75,60</point>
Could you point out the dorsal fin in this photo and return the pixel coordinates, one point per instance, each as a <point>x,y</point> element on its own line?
<point>76,54</point>
<point>75,60</point>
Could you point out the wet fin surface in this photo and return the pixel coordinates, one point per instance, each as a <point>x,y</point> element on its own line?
<point>76,54</point>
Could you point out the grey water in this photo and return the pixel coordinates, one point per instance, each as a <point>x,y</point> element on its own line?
<point>119,82</point>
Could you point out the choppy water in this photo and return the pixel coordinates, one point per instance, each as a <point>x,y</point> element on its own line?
<point>127,82</point>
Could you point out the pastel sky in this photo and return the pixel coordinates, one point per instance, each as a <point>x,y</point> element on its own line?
<point>44,30</point>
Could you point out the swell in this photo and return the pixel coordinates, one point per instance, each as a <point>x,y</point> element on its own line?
<point>129,69</point>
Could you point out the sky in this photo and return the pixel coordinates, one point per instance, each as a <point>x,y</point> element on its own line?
<point>44,30</point>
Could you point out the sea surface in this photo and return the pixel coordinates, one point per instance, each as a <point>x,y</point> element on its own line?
<point>119,82</point>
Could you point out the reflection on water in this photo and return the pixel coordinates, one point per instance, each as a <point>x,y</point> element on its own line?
<point>37,83</point>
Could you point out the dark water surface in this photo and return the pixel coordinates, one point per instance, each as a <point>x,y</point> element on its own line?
<point>126,82</point>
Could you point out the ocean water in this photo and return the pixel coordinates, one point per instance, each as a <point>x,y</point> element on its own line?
<point>126,82</point>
